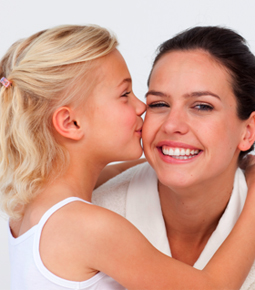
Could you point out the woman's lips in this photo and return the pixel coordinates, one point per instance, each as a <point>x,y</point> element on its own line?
<point>177,150</point>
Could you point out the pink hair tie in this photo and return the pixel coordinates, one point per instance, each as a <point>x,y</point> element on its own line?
<point>5,82</point>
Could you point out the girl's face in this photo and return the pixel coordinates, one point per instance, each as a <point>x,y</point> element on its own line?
<point>191,131</point>
<point>114,113</point>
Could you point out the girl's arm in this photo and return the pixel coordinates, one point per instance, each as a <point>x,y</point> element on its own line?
<point>112,170</point>
<point>227,269</point>
<point>137,265</point>
<point>118,249</point>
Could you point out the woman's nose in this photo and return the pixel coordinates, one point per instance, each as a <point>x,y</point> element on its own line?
<point>176,122</point>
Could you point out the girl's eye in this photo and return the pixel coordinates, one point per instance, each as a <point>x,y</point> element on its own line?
<point>203,107</point>
<point>126,94</point>
<point>158,105</point>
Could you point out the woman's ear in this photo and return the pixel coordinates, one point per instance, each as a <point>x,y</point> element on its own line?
<point>66,125</point>
<point>248,137</point>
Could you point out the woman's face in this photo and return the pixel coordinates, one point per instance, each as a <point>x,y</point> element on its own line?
<point>191,131</point>
<point>114,113</point>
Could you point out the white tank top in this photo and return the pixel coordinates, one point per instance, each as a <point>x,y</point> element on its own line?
<point>28,271</point>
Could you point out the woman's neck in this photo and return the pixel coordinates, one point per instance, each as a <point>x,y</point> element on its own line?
<point>191,215</point>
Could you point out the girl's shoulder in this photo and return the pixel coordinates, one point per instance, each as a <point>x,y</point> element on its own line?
<point>72,237</point>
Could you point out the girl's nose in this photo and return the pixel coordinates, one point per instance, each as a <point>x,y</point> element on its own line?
<point>140,107</point>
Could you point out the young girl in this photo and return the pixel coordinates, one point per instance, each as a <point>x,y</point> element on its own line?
<point>67,109</point>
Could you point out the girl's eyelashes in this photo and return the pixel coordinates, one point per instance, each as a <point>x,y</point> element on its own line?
<point>126,94</point>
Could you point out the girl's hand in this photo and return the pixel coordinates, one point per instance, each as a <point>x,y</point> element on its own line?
<point>111,171</point>
<point>248,165</point>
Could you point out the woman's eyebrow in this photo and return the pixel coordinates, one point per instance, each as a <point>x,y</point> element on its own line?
<point>201,94</point>
<point>155,93</point>
<point>193,94</point>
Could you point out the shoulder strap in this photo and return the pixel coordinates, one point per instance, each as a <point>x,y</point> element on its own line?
<point>36,252</point>
<point>57,206</point>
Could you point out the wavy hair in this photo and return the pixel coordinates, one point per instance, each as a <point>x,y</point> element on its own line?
<point>48,70</point>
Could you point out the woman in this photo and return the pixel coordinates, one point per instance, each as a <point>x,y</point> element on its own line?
<point>199,124</point>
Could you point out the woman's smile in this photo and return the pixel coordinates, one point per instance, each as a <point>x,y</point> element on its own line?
<point>179,153</point>
<point>172,151</point>
<point>191,131</point>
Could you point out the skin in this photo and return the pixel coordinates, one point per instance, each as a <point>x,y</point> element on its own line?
<point>191,105</point>
<point>80,239</point>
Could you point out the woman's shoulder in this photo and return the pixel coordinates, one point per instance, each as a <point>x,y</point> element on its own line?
<point>112,194</point>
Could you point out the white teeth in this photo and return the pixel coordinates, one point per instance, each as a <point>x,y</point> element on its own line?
<point>179,153</point>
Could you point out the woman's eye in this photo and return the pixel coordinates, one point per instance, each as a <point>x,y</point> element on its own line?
<point>203,107</point>
<point>158,105</point>
<point>126,94</point>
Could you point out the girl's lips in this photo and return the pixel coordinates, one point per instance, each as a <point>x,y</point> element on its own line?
<point>139,131</point>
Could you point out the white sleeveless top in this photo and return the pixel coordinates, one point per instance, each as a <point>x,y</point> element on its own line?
<point>28,271</point>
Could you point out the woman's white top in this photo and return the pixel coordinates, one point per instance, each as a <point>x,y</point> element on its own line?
<point>134,195</point>
<point>28,271</point>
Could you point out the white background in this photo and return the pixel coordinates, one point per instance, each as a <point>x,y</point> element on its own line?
<point>140,25</point>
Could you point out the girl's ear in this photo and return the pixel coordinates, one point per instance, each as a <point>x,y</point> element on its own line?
<point>66,125</point>
<point>249,134</point>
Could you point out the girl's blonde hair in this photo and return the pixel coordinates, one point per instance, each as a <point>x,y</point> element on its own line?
<point>47,71</point>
